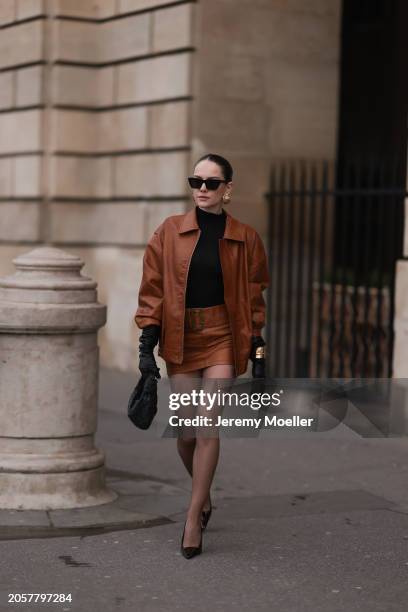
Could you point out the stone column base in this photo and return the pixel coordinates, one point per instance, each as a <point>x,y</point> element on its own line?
<point>51,491</point>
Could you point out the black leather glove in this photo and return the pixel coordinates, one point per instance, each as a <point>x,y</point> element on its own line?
<point>148,339</point>
<point>258,364</point>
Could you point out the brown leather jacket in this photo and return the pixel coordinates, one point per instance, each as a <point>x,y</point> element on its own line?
<point>165,268</point>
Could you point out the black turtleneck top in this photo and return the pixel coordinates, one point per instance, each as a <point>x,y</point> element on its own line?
<point>205,285</point>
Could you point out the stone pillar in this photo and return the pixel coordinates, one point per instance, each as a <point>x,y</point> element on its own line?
<point>49,317</point>
<point>400,353</point>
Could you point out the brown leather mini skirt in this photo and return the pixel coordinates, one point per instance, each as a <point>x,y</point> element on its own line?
<point>207,340</point>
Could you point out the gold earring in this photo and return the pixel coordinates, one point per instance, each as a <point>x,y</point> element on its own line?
<point>226,198</point>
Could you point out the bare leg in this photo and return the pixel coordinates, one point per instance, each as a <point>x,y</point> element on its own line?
<point>205,460</point>
<point>186,440</point>
<point>182,383</point>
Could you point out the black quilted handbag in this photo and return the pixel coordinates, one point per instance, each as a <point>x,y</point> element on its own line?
<point>142,405</point>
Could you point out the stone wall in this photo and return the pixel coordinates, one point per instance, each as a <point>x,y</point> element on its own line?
<point>267,88</point>
<point>106,104</point>
<point>94,138</point>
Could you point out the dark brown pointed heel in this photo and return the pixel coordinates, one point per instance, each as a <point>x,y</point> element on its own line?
<point>190,551</point>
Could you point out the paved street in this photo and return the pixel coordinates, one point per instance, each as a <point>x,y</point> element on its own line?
<point>316,522</point>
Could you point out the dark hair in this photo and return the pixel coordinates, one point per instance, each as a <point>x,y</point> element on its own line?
<point>224,164</point>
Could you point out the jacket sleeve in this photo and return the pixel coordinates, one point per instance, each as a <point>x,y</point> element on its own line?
<point>150,301</point>
<point>258,281</point>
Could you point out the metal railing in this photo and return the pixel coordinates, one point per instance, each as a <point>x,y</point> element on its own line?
<point>335,234</point>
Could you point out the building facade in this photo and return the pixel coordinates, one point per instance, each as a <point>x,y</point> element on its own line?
<point>105,105</point>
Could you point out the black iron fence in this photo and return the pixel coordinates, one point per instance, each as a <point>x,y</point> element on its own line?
<point>335,234</point>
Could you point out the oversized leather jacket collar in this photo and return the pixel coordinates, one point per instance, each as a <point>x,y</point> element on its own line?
<point>163,287</point>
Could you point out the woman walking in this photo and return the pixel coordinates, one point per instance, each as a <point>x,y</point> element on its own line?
<point>201,298</point>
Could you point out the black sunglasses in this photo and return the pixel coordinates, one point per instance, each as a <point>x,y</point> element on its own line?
<point>211,183</point>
